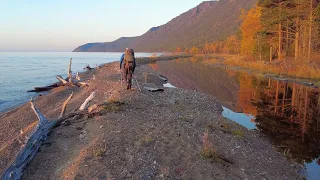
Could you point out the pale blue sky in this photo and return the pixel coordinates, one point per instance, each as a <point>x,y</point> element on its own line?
<point>62,25</point>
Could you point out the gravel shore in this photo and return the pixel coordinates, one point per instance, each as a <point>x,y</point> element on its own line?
<point>174,134</point>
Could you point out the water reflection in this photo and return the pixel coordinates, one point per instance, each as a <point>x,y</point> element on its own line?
<point>241,118</point>
<point>287,113</point>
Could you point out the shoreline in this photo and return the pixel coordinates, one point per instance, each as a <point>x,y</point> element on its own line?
<point>147,131</point>
<point>219,60</point>
<point>285,78</point>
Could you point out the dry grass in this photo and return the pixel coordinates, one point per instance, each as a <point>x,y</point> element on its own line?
<point>209,154</point>
<point>154,59</point>
<point>238,133</point>
<point>99,152</point>
<point>208,151</point>
<point>209,61</point>
<point>148,139</point>
<point>113,106</point>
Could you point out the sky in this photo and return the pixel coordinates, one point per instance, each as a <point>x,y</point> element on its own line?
<point>63,25</point>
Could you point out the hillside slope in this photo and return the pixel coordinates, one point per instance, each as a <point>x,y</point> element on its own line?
<point>209,21</point>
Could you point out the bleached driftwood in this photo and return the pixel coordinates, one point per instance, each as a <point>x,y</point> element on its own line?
<point>70,72</point>
<point>60,78</point>
<point>14,172</point>
<point>85,105</point>
<point>64,106</point>
<point>68,81</point>
<point>78,77</point>
<point>83,84</point>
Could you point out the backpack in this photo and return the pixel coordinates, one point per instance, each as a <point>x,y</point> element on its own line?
<point>128,58</point>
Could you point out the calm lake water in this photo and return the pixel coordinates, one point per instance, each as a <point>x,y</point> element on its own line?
<point>21,72</point>
<point>287,113</point>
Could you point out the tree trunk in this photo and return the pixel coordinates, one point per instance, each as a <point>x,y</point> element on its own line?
<point>270,55</point>
<point>280,41</point>
<point>287,40</point>
<point>293,96</point>
<point>296,40</point>
<point>304,40</point>
<point>284,97</point>
<point>305,114</point>
<point>310,31</point>
<point>276,100</point>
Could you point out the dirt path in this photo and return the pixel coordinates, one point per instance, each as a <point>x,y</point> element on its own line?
<point>175,134</point>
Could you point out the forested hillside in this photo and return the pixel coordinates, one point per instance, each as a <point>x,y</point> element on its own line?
<point>277,36</point>
<point>208,22</point>
<point>275,29</point>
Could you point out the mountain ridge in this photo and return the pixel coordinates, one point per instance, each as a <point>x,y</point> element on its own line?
<point>209,21</point>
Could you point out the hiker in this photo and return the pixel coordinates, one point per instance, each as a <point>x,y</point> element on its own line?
<point>128,65</point>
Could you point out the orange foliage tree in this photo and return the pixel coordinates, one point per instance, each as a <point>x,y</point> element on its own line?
<point>231,45</point>
<point>207,48</point>
<point>250,26</point>
<point>194,50</point>
<point>186,50</point>
<point>178,50</point>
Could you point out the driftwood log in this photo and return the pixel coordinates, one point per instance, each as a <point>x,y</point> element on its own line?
<point>78,77</point>
<point>46,88</point>
<point>70,80</point>
<point>15,171</point>
<point>162,77</point>
<point>60,78</point>
<point>152,87</point>
<point>70,73</point>
<point>87,67</point>
<point>85,105</point>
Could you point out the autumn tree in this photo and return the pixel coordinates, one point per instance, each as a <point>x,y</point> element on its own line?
<point>232,45</point>
<point>178,50</point>
<point>194,50</point>
<point>207,48</point>
<point>214,47</point>
<point>250,26</point>
<point>293,22</point>
<point>186,50</point>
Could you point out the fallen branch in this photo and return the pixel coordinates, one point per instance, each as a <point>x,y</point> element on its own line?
<point>85,105</point>
<point>65,106</point>
<point>46,88</point>
<point>83,84</point>
<point>70,72</point>
<point>87,67</point>
<point>60,78</point>
<point>68,81</point>
<point>41,89</point>
<point>14,172</point>
<point>78,77</point>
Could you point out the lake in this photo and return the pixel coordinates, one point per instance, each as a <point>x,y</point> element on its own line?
<point>22,71</point>
<point>286,113</point>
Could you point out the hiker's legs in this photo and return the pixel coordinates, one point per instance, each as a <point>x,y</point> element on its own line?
<point>129,78</point>
<point>124,74</point>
